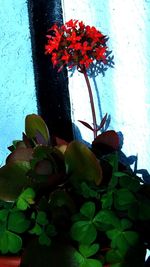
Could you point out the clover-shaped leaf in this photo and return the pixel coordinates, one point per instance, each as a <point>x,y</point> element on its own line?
<point>114,257</point>
<point>123,198</point>
<point>83,232</point>
<point>88,251</point>
<point>106,218</point>
<point>44,239</point>
<point>37,229</point>
<point>10,242</point>
<point>26,199</point>
<point>88,209</point>
<point>42,218</point>
<point>17,222</point>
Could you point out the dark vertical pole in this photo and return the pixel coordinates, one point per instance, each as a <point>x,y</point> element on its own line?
<point>51,87</point>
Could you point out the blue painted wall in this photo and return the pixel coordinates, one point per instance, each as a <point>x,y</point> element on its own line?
<point>17,88</point>
<point>124,92</point>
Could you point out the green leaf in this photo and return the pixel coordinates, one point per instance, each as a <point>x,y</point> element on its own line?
<point>13,178</point>
<point>91,263</point>
<point>122,240</point>
<point>123,198</point>
<point>88,209</point>
<point>37,229</point>
<point>88,251</point>
<point>77,258</point>
<point>83,232</point>
<point>114,256</point>
<point>107,200</point>
<point>125,224</point>
<point>17,222</point>
<point>34,124</point>
<point>3,214</point>
<point>106,218</point>
<point>44,239</point>
<point>10,242</point>
<point>26,199</point>
<point>130,182</point>
<point>82,164</point>
<point>42,218</point>
<point>88,192</point>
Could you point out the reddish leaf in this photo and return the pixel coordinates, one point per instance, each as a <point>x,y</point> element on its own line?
<point>103,121</point>
<point>109,138</point>
<point>86,125</point>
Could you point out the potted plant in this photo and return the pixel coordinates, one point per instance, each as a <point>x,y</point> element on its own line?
<point>69,204</point>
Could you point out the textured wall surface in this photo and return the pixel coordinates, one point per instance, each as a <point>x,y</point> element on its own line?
<point>17,89</point>
<point>124,91</point>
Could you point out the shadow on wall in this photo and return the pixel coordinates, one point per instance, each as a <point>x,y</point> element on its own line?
<point>51,86</point>
<point>96,68</point>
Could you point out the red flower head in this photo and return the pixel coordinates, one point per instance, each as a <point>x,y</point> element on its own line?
<point>74,44</point>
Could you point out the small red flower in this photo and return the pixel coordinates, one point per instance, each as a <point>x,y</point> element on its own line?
<point>74,44</point>
<point>73,38</point>
<point>65,57</point>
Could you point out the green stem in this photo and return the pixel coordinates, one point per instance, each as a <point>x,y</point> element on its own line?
<point>91,102</point>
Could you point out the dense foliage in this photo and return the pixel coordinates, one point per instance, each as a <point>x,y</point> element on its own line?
<point>69,200</point>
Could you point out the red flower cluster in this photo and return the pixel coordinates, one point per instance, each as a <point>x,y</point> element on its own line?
<point>74,44</point>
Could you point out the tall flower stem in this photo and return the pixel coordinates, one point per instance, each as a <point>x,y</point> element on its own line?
<point>91,102</point>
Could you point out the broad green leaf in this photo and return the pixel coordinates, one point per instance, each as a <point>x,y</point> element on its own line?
<point>17,222</point>
<point>83,232</point>
<point>77,258</point>
<point>44,239</point>
<point>114,256</point>
<point>91,263</point>
<point>123,198</point>
<point>22,204</point>
<point>131,237</point>
<point>42,218</point>
<point>82,164</point>
<point>26,198</point>
<point>126,240</point>
<point>88,251</point>
<point>106,217</point>
<point>88,209</point>
<point>13,178</point>
<point>10,242</point>
<point>122,240</point>
<point>34,124</point>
